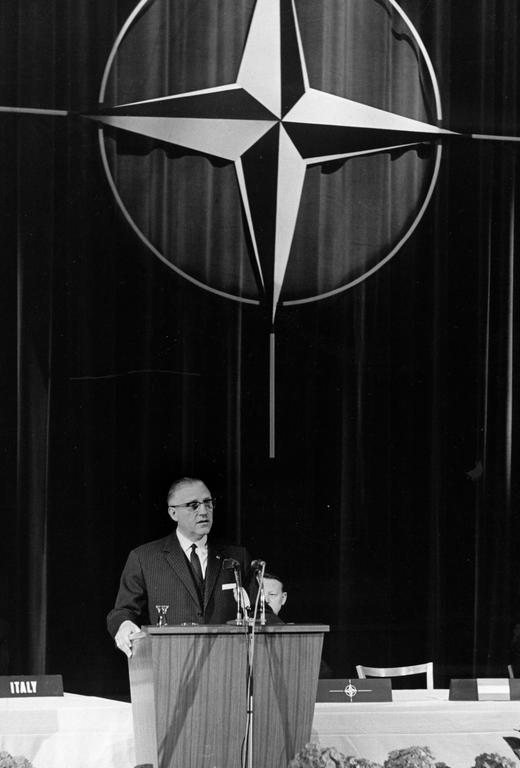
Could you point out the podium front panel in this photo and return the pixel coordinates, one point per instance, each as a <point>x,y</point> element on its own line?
<point>286,670</point>
<point>188,688</point>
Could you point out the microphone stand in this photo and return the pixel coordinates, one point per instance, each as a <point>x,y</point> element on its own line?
<point>262,605</point>
<point>234,565</point>
<point>241,609</point>
<point>247,761</point>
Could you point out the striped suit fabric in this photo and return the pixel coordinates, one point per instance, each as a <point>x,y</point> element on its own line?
<point>159,573</point>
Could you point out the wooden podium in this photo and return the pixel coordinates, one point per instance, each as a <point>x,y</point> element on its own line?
<point>188,687</point>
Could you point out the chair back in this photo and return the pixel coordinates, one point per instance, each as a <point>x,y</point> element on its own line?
<point>416,669</point>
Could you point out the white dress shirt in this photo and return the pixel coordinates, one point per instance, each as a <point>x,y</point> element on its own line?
<point>202,549</point>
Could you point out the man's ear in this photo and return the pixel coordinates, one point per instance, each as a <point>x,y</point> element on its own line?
<point>284,597</point>
<point>173,514</point>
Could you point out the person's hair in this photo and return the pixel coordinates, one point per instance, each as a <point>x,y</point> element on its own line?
<point>179,483</point>
<point>273,576</point>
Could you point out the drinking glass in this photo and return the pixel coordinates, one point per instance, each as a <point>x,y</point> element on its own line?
<point>162,611</point>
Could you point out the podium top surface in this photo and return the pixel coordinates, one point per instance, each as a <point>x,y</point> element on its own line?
<point>233,629</point>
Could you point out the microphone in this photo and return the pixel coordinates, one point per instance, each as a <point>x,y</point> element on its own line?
<point>262,604</point>
<point>230,564</point>
<point>258,568</point>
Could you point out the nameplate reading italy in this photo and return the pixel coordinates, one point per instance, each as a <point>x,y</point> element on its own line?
<point>25,686</point>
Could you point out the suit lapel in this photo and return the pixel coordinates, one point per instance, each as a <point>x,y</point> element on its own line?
<point>177,560</point>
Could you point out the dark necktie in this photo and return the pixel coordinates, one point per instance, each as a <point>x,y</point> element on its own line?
<point>197,569</point>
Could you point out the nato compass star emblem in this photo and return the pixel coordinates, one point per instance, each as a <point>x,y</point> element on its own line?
<point>350,691</point>
<point>274,127</point>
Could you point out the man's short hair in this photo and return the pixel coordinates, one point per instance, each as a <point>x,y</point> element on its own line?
<point>273,576</point>
<point>179,483</point>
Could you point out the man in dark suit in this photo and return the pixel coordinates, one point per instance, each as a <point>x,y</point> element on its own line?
<point>182,571</point>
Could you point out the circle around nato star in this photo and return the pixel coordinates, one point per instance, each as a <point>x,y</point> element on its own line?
<point>415,215</point>
<point>350,690</point>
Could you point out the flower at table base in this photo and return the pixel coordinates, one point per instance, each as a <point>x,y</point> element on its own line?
<point>313,756</point>
<point>8,761</point>
<point>359,762</point>
<point>411,757</point>
<point>492,760</point>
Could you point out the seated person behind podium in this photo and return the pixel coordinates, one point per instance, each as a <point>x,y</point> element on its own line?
<point>183,571</point>
<point>275,598</point>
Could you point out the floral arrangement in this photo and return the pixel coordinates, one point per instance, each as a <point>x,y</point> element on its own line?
<point>8,761</point>
<point>314,756</point>
<point>487,760</point>
<point>411,757</point>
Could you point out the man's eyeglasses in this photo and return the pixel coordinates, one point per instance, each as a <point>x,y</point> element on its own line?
<point>208,504</point>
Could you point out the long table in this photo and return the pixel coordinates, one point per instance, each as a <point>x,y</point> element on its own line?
<point>90,732</point>
<point>68,731</point>
<point>455,731</point>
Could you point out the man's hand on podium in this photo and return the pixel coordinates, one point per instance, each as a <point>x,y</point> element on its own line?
<point>124,636</point>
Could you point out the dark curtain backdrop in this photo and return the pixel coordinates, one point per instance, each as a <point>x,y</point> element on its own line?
<point>391,506</point>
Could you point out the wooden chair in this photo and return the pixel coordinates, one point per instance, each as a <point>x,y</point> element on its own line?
<point>416,669</point>
<point>510,671</point>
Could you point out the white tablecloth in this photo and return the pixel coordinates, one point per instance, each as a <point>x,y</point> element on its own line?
<point>68,732</point>
<point>456,731</point>
<point>88,732</point>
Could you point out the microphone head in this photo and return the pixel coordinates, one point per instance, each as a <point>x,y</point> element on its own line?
<point>230,564</point>
<point>257,565</point>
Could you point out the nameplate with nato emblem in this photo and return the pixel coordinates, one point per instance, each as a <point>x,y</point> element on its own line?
<point>353,690</point>
<point>25,686</point>
<point>485,689</point>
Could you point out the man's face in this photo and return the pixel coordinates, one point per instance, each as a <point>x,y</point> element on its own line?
<point>192,523</point>
<point>274,595</point>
